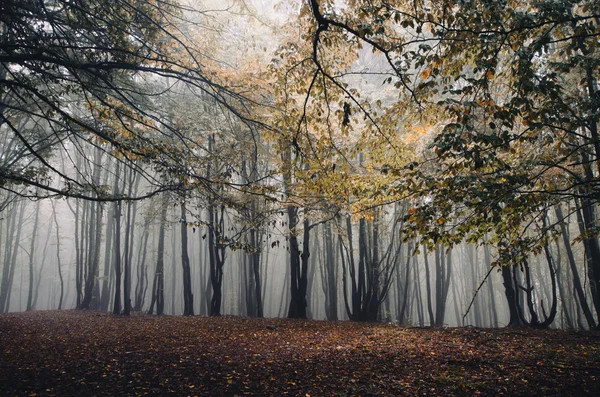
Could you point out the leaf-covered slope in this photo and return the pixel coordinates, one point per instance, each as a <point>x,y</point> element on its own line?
<point>88,353</point>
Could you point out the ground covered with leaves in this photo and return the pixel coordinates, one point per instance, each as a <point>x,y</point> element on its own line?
<point>88,353</point>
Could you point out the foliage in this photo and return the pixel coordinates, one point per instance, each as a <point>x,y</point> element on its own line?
<point>505,92</point>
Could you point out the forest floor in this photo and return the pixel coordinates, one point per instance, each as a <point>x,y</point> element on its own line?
<point>82,353</point>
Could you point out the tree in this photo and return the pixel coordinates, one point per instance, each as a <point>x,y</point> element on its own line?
<point>508,90</point>
<point>101,56</point>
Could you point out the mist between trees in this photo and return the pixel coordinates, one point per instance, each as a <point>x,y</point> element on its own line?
<point>427,164</point>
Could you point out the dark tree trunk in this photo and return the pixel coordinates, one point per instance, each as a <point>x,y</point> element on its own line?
<point>330,269</point>
<point>511,298</point>
<point>117,298</point>
<point>586,218</point>
<point>94,261</point>
<point>216,257</point>
<point>158,283</point>
<point>443,265</point>
<point>573,266</point>
<point>298,265</point>
<point>188,296</point>
<point>256,280</point>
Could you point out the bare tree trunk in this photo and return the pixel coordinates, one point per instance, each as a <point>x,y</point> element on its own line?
<point>511,297</point>
<point>117,215</point>
<point>330,270</point>
<point>493,311</point>
<point>58,264</point>
<point>32,248</point>
<point>158,284</point>
<point>428,290</point>
<point>11,259</point>
<point>443,266</point>
<point>142,267</point>
<point>188,296</point>
<point>216,257</point>
<point>256,277</point>
<point>573,266</point>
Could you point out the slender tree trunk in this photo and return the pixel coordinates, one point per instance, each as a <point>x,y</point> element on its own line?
<point>428,290</point>
<point>331,272</point>
<point>117,298</point>
<point>13,256</point>
<point>492,298</point>
<point>216,257</point>
<point>58,264</point>
<point>109,257</point>
<point>142,268</point>
<point>32,248</point>
<point>188,296</point>
<point>256,277</point>
<point>402,303</point>
<point>158,285</point>
<point>573,266</point>
<point>9,247</point>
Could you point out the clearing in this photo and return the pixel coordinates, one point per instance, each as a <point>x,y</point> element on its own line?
<point>89,353</point>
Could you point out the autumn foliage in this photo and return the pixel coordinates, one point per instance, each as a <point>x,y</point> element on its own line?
<point>59,353</point>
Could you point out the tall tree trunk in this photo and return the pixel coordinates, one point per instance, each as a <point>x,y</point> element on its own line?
<point>117,298</point>
<point>109,258</point>
<point>256,277</point>
<point>492,297</point>
<point>331,273</point>
<point>142,267</point>
<point>216,257</point>
<point>58,263</point>
<point>404,292</point>
<point>8,248</point>
<point>10,265</point>
<point>158,284</point>
<point>573,266</point>
<point>298,265</point>
<point>428,290</point>
<point>94,262</point>
<point>188,296</point>
<point>32,248</point>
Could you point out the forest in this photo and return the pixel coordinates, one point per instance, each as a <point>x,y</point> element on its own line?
<point>426,163</point>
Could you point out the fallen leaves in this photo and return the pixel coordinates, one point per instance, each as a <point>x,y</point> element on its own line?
<point>83,353</point>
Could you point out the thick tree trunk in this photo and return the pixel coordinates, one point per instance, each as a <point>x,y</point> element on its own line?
<point>94,261</point>
<point>511,298</point>
<point>298,265</point>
